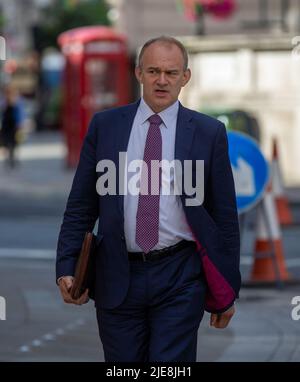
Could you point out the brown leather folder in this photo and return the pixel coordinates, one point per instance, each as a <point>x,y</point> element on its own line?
<point>84,277</point>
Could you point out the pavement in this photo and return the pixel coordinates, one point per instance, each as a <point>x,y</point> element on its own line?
<point>40,327</point>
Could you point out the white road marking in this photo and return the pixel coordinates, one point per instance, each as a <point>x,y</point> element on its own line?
<point>48,337</point>
<point>39,151</point>
<point>59,332</point>
<point>26,253</point>
<point>248,260</point>
<point>24,349</point>
<point>71,326</point>
<point>38,342</point>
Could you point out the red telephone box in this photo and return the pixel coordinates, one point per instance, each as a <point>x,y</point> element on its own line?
<point>96,77</point>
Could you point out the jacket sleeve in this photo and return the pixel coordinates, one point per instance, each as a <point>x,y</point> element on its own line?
<point>222,207</point>
<point>82,209</point>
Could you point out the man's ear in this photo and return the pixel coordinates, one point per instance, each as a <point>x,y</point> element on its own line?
<point>186,77</point>
<point>138,74</point>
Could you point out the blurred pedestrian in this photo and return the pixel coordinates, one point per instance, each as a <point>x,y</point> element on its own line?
<point>11,123</point>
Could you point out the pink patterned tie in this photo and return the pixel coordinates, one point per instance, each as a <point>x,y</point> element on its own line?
<point>147,217</point>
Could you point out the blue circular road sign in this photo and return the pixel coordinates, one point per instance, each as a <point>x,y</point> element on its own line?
<point>250,170</point>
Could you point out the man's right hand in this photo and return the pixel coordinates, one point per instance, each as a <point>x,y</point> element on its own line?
<point>65,283</point>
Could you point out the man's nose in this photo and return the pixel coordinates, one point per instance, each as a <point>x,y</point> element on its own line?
<point>162,79</point>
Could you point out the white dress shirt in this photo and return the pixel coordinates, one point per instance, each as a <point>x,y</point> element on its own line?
<point>172,222</point>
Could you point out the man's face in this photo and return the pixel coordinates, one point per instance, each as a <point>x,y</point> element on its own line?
<point>162,75</point>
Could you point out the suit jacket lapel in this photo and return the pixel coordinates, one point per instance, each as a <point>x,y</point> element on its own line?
<point>183,142</point>
<point>122,139</point>
<point>184,133</point>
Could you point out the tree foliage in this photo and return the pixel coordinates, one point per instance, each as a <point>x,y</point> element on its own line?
<point>63,15</point>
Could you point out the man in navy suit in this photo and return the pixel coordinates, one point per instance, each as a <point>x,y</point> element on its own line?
<point>162,258</point>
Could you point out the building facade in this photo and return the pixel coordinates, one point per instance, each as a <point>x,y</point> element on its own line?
<point>143,19</point>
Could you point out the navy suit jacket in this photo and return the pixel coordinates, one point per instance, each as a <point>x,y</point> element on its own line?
<point>214,223</point>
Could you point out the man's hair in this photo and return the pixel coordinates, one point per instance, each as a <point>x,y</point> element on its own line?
<point>164,40</point>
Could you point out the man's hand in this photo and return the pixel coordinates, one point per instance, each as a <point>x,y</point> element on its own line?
<point>221,320</point>
<point>65,284</point>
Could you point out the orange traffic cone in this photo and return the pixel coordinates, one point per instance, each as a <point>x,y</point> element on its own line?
<point>269,262</point>
<point>282,204</point>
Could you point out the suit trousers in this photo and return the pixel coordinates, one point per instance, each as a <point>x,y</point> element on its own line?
<point>159,319</point>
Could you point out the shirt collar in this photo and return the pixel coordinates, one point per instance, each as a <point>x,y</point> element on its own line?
<point>168,115</point>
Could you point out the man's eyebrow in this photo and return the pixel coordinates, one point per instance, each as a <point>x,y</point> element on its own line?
<point>157,68</point>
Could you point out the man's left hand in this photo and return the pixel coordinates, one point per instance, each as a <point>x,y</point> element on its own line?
<point>221,320</point>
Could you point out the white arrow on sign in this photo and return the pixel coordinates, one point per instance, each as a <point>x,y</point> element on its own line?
<point>243,178</point>
<point>2,308</point>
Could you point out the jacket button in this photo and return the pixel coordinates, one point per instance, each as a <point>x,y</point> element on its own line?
<point>123,238</point>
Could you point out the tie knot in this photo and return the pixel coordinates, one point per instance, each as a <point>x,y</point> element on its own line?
<point>155,119</point>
